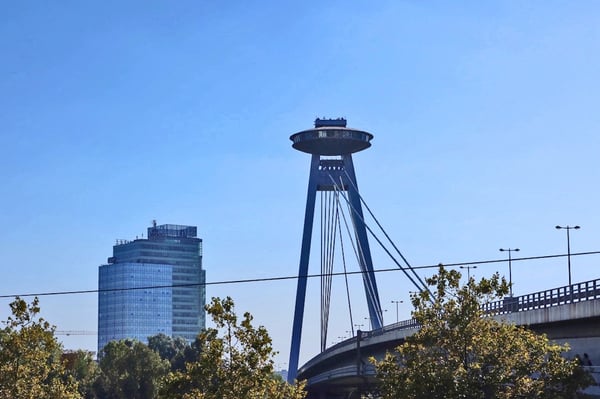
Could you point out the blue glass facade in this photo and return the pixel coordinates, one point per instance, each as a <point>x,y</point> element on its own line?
<point>128,307</point>
<point>129,303</point>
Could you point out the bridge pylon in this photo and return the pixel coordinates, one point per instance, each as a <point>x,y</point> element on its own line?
<point>331,145</point>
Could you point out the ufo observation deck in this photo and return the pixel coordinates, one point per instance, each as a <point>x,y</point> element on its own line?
<point>331,137</point>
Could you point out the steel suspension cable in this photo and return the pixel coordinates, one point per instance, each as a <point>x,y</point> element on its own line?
<point>352,238</point>
<point>385,233</point>
<point>323,268</point>
<point>367,282</point>
<point>328,255</point>
<point>381,243</point>
<point>339,229</point>
<point>329,265</point>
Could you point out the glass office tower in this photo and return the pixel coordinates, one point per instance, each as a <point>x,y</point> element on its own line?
<point>152,286</point>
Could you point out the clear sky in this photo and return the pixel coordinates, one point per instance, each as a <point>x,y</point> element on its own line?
<point>485,116</point>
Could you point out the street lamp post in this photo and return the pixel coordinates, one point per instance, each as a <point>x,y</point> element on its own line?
<point>397,302</point>
<point>509,250</point>
<point>567,227</point>
<point>468,270</point>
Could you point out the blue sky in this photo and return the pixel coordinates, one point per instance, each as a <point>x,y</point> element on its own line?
<point>485,116</point>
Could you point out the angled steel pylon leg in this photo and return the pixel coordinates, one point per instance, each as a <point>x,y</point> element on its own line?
<point>365,261</point>
<point>322,172</point>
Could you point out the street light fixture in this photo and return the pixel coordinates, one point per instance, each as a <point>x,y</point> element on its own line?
<point>509,250</point>
<point>567,227</point>
<point>397,302</point>
<point>414,294</point>
<point>468,270</point>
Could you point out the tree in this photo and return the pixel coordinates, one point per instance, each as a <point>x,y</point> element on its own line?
<point>176,350</point>
<point>80,365</point>
<point>462,352</point>
<point>234,361</point>
<point>30,357</point>
<point>129,370</point>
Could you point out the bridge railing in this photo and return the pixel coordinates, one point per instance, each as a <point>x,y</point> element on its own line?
<point>579,292</point>
<point>401,325</point>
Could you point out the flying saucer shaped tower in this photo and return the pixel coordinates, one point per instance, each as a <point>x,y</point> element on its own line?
<point>331,144</point>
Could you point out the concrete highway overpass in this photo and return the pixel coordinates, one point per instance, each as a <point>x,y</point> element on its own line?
<point>566,315</point>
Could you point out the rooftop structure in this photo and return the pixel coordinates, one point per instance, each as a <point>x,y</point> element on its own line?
<point>154,285</point>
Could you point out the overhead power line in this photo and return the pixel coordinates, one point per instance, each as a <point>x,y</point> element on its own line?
<point>281,278</point>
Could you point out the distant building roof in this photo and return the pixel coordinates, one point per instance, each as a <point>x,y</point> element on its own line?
<point>172,230</point>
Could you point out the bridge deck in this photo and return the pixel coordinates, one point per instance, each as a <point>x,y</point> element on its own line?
<point>566,314</point>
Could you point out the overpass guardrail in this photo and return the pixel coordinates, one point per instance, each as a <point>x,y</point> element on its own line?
<point>578,292</point>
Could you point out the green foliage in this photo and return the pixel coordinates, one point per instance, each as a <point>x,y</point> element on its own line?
<point>234,361</point>
<point>30,357</point>
<point>80,366</point>
<point>175,350</point>
<point>460,352</point>
<point>129,370</point>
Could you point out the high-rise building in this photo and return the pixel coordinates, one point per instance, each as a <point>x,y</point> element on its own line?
<point>153,285</point>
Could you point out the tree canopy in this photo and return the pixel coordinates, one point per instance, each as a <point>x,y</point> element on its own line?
<point>461,352</point>
<point>176,350</point>
<point>81,366</point>
<point>129,370</point>
<point>234,361</point>
<point>30,357</point>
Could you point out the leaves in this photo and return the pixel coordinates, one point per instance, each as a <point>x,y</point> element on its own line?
<point>231,361</point>
<point>234,361</point>
<point>461,352</point>
<point>176,350</point>
<point>30,357</point>
<point>130,370</point>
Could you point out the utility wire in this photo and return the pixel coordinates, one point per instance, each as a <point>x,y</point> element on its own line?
<point>281,278</point>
